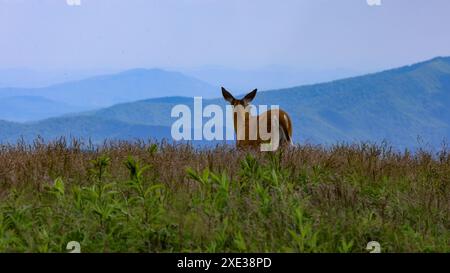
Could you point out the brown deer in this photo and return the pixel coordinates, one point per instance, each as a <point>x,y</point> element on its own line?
<point>252,131</point>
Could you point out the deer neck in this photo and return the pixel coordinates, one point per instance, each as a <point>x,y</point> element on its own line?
<point>241,120</point>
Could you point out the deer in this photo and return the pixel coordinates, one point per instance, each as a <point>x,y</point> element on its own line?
<point>252,131</point>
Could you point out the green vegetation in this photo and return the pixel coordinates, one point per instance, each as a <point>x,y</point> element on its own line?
<point>147,197</point>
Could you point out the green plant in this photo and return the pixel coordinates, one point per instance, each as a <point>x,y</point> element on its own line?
<point>170,198</point>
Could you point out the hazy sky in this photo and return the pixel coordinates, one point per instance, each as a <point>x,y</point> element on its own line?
<point>316,34</point>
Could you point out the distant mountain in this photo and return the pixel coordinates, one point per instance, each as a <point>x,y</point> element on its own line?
<point>85,127</point>
<point>407,106</point>
<point>265,78</point>
<point>399,105</point>
<point>106,90</point>
<point>32,108</point>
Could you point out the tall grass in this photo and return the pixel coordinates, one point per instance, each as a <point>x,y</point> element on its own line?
<point>156,197</point>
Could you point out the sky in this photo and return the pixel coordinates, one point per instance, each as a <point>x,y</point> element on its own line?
<point>240,34</point>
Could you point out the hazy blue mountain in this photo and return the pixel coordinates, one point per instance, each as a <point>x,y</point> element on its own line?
<point>265,78</point>
<point>408,106</point>
<point>398,105</point>
<point>85,127</point>
<point>106,90</point>
<point>32,108</point>
<point>30,78</point>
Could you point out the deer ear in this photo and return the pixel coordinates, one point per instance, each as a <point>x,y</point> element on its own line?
<point>250,96</point>
<point>227,96</point>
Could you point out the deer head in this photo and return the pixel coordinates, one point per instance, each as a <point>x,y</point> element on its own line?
<point>235,102</point>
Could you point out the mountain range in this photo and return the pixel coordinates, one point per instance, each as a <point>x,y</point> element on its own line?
<point>33,108</point>
<point>267,78</point>
<point>406,106</point>
<point>110,89</point>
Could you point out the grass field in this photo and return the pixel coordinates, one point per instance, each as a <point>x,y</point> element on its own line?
<point>147,197</point>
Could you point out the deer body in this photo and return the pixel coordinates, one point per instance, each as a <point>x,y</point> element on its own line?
<point>252,131</point>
